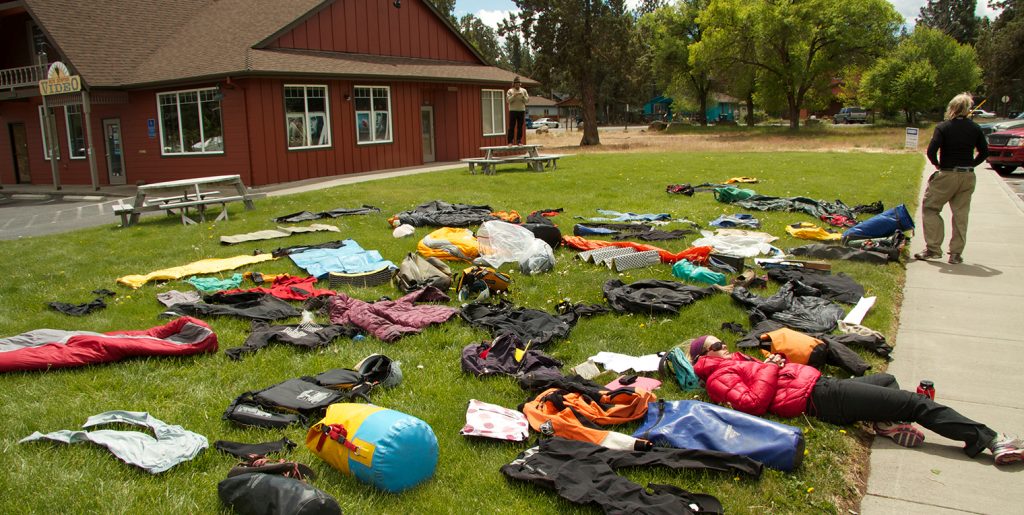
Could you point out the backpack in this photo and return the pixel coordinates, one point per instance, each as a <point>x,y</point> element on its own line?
<point>417,272</point>
<point>476,280</point>
<point>675,362</point>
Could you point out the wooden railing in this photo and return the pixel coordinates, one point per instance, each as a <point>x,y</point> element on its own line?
<point>22,77</point>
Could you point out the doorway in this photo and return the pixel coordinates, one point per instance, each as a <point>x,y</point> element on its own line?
<point>427,131</point>
<point>19,145</point>
<point>115,151</point>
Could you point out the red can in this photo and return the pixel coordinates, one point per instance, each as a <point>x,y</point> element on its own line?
<point>927,388</point>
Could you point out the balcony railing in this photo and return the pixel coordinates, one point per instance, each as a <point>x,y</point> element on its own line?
<point>25,76</point>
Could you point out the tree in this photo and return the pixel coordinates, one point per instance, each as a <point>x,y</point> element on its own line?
<point>515,55</point>
<point>482,36</point>
<point>670,31</point>
<point>922,73</point>
<point>797,47</point>
<point>570,39</point>
<point>447,8</point>
<point>1001,52</point>
<point>954,17</point>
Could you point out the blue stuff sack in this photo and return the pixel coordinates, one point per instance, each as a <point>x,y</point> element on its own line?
<point>675,363</point>
<point>700,425</point>
<point>881,225</point>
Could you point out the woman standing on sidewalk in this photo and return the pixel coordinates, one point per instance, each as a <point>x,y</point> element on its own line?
<point>790,389</point>
<point>952,152</point>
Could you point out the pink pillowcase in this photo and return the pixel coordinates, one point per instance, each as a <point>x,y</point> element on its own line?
<point>493,421</point>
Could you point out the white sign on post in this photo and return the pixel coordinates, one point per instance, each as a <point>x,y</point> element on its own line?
<point>911,138</point>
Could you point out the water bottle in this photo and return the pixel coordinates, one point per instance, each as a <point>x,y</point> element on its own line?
<point>927,388</point>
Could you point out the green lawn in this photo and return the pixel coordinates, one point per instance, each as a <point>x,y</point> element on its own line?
<point>193,391</point>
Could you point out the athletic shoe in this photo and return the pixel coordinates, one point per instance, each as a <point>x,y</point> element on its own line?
<point>955,259</point>
<point>1007,450</point>
<point>903,434</point>
<point>927,255</point>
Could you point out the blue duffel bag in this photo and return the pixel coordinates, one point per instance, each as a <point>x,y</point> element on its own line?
<point>699,425</point>
<point>881,225</point>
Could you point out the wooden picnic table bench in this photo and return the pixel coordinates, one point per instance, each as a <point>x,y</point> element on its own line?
<point>496,155</point>
<point>186,194</point>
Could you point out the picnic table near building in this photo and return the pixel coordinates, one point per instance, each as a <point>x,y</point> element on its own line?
<point>504,154</point>
<point>182,196</point>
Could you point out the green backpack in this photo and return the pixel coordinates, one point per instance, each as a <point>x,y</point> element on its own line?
<point>675,362</point>
<point>730,194</point>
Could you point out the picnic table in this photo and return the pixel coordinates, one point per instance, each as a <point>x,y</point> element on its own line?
<point>495,155</point>
<point>181,196</point>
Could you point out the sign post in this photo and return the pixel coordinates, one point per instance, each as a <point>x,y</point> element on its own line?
<point>58,80</point>
<point>911,141</point>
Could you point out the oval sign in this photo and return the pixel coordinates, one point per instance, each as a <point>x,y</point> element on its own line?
<point>1006,98</point>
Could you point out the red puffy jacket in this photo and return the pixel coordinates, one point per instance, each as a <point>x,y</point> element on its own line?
<point>754,387</point>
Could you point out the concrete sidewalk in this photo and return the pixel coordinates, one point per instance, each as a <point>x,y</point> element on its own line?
<point>958,329</point>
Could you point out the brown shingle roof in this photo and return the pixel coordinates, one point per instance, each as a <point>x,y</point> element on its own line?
<point>537,101</point>
<point>119,43</point>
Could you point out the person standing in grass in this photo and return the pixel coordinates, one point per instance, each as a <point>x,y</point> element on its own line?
<point>791,389</point>
<point>957,146</point>
<point>516,98</point>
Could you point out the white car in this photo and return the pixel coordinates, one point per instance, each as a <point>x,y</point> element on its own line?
<point>981,113</point>
<point>551,124</point>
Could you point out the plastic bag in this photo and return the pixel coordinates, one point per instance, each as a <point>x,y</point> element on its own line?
<point>502,242</point>
<point>403,230</point>
<point>539,258</point>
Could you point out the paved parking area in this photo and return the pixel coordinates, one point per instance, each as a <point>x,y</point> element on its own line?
<point>24,215</point>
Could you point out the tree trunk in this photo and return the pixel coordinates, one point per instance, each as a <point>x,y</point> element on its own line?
<point>750,109</point>
<point>590,134</point>
<point>704,109</point>
<point>794,115</point>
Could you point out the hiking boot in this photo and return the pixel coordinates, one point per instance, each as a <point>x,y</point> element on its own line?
<point>903,434</point>
<point>955,259</point>
<point>927,255</point>
<point>1007,450</point>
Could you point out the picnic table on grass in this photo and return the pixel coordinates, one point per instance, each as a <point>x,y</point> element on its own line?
<point>181,196</point>
<point>496,155</point>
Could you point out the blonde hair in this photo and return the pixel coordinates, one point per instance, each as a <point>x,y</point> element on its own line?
<point>959,106</point>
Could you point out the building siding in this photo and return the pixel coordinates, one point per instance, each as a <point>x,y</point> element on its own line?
<point>377,28</point>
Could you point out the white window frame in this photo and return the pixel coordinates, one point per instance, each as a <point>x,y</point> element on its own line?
<point>181,132</point>
<point>306,116</point>
<point>499,95</point>
<point>67,125</point>
<point>373,117</point>
<point>42,131</point>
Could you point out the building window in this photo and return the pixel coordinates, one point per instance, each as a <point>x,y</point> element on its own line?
<point>373,114</point>
<point>494,112</point>
<point>46,142</point>
<point>190,122</point>
<point>306,116</point>
<point>76,131</point>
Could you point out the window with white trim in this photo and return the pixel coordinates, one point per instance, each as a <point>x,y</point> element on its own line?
<point>307,118</point>
<point>190,122</point>
<point>493,111</point>
<point>76,131</point>
<point>373,114</point>
<point>46,142</point>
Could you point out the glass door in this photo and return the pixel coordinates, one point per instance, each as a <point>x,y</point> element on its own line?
<point>115,151</point>
<point>427,130</point>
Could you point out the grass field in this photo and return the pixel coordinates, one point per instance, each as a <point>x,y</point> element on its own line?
<point>193,391</point>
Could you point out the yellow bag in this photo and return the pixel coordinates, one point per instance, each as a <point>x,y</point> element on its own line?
<point>451,244</point>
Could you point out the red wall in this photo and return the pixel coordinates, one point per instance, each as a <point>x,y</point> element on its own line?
<point>376,27</point>
<point>254,135</point>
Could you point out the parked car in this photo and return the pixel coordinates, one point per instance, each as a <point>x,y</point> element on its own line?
<point>1006,150</point>
<point>981,113</point>
<point>529,123</point>
<point>1016,121</point>
<point>550,123</point>
<point>851,115</point>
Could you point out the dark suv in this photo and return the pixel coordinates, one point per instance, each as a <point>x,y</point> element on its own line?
<point>851,115</point>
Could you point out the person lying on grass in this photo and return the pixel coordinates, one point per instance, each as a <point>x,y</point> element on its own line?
<point>791,389</point>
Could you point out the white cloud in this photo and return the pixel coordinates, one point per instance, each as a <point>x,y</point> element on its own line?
<point>911,8</point>
<point>492,18</point>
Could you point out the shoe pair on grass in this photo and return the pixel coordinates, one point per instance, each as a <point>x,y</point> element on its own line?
<point>1005,449</point>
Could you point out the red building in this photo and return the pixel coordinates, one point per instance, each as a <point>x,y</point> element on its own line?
<point>272,90</point>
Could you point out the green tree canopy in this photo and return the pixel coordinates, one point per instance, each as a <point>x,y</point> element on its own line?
<point>1001,52</point>
<point>921,74</point>
<point>797,47</point>
<point>670,31</point>
<point>447,7</point>
<point>482,36</point>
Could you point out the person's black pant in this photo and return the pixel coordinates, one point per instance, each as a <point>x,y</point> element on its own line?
<point>516,126</point>
<point>878,398</point>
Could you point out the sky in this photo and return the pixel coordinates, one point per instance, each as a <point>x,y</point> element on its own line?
<point>493,11</point>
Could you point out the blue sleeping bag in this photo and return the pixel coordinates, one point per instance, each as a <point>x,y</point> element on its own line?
<point>700,425</point>
<point>881,225</point>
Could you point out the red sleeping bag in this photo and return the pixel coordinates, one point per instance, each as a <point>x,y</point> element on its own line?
<point>44,349</point>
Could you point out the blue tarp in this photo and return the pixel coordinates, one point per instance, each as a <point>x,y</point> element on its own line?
<point>349,259</point>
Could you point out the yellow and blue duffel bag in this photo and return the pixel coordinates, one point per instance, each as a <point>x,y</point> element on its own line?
<point>388,449</point>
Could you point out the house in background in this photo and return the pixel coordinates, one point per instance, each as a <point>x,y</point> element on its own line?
<point>720,108</point>
<point>274,91</point>
<point>658,108</point>
<point>540,107</point>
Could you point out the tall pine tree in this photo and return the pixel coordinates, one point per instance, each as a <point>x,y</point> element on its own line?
<point>954,17</point>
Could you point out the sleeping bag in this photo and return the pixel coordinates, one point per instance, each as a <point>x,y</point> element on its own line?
<point>881,225</point>
<point>450,244</point>
<point>700,425</point>
<point>43,349</point>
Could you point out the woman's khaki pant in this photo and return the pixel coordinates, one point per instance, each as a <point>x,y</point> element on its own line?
<point>954,188</point>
